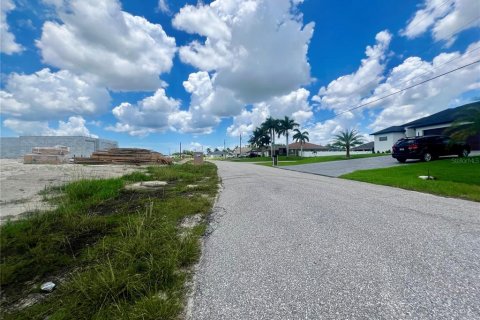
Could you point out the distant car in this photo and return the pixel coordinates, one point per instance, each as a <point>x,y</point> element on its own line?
<point>253,155</point>
<point>427,148</point>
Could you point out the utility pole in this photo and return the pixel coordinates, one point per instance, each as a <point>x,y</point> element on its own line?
<point>224,154</point>
<point>180,151</point>
<point>240,145</point>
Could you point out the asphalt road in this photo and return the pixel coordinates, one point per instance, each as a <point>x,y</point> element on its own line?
<point>338,168</point>
<point>290,245</point>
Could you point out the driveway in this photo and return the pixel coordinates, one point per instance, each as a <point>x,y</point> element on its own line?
<point>290,245</point>
<point>338,168</point>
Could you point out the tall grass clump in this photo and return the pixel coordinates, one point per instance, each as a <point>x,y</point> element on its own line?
<point>109,264</point>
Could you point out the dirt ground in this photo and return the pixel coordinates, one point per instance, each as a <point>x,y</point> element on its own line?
<point>20,183</point>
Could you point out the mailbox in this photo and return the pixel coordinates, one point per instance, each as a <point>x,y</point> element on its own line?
<point>198,158</point>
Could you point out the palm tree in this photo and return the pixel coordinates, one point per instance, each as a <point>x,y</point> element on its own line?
<point>347,139</point>
<point>259,138</point>
<point>301,137</point>
<point>467,123</point>
<point>285,126</point>
<point>271,126</point>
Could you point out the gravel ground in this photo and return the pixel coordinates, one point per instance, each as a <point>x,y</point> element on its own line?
<point>289,245</point>
<point>20,183</point>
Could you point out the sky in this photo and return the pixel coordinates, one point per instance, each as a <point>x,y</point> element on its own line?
<point>157,73</point>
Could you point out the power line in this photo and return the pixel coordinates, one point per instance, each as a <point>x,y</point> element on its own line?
<point>401,90</point>
<point>441,65</point>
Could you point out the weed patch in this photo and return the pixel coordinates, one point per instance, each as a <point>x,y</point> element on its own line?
<point>120,254</point>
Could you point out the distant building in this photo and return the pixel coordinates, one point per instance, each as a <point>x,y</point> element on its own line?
<point>245,151</point>
<point>365,147</point>
<point>309,149</point>
<point>16,147</point>
<point>431,125</point>
<point>219,154</point>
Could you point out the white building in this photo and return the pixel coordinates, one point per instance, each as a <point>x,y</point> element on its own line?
<point>386,138</point>
<point>16,147</point>
<point>431,125</point>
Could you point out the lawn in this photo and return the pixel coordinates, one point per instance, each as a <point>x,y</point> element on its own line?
<point>293,161</point>
<point>455,177</point>
<point>114,253</point>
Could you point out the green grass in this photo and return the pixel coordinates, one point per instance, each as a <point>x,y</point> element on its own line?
<point>293,161</point>
<point>115,254</point>
<point>455,177</point>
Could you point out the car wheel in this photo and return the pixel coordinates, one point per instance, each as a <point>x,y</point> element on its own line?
<point>427,156</point>
<point>402,160</point>
<point>463,154</point>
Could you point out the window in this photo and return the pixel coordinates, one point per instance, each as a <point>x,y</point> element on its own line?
<point>382,138</point>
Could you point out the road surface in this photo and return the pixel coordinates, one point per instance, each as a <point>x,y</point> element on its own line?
<point>290,245</point>
<point>341,167</point>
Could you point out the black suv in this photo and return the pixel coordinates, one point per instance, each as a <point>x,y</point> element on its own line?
<point>427,148</point>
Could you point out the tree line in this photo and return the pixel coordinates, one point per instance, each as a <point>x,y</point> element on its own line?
<point>264,135</point>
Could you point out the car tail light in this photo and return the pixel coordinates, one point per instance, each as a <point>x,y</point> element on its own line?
<point>413,147</point>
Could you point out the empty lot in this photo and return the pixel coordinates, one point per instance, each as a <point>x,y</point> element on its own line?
<point>20,183</point>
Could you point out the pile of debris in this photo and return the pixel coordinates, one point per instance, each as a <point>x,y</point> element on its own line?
<point>47,155</point>
<point>125,156</point>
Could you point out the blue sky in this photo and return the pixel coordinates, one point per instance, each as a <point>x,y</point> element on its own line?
<point>156,73</point>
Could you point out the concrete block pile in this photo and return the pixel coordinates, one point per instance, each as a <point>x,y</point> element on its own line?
<point>47,155</point>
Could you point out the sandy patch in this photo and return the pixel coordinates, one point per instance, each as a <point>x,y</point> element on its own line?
<point>20,183</point>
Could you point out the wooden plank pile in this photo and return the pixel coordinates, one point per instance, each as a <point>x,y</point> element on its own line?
<point>125,156</point>
<point>47,155</point>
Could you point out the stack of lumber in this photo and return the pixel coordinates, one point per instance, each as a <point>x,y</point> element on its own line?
<point>47,155</point>
<point>125,156</point>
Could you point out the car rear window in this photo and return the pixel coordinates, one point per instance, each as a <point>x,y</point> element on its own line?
<point>405,142</point>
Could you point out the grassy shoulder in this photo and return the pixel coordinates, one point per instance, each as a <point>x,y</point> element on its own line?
<point>114,253</point>
<point>293,161</point>
<point>455,177</point>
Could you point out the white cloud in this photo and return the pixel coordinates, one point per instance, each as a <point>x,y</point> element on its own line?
<point>163,6</point>
<point>195,146</point>
<point>445,19</point>
<point>75,126</point>
<point>208,104</point>
<point>202,20</point>
<point>257,48</point>
<point>294,105</point>
<point>123,52</point>
<point>323,132</point>
<point>348,90</point>
<point>211,99</point>
<point>427,98</point>
<point>248,120</point>
<point>7,39</point>
<point>431,97</point>
<point>147,116</point>
<point>47,95</point>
